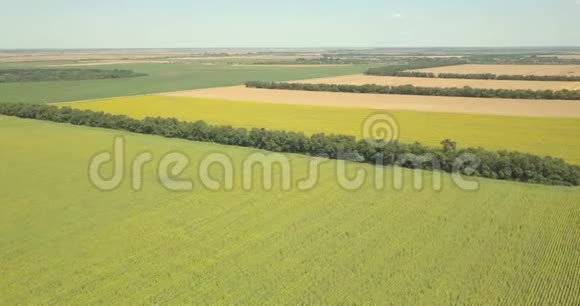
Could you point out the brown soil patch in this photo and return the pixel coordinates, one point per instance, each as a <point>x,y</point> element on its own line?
<point>530,108</point>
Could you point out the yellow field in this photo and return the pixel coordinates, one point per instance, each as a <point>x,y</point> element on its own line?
<point>566,70</point>
<point>361,79</point>
<point>544,136</point>
<point>462,105</point>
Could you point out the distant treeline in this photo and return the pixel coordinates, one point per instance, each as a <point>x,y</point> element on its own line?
<point>488,76</point>
<point>502,165</point>
<point>406,69</point>
<point>425,91</point>
<point>318,61</point>
<point>413,64</point>
<point>498,58</point>
<point>521,59</point>
<point>37,75</point>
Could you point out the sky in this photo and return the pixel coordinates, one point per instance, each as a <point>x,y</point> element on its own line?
<point>298,23</point>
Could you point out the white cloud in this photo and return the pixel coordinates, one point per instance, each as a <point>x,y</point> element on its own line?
<point>399,15</point>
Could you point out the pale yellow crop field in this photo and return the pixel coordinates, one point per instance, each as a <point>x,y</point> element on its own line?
<point>462,105</point>
<point>542,136</point>
<point>564,70</point>
<point>361,79</point>
<point>66,242</point>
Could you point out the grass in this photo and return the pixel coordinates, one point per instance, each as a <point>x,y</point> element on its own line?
<point>542,136</point>
<point>62,241</point>
<point>162,78</point>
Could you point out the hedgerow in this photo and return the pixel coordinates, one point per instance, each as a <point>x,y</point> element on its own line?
<point>485,76</point>
<point>406,70</point>
<point>466,91</point>
<point>501,165</point>
<point>418,63</point>
<point>37,75</point>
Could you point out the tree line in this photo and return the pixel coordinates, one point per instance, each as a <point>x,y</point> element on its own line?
<point>501,165</point>
<point>37,75</point>
<point>488,76</point>
<point>466,91</point>
<point>413,64</point>
<point>324,60</point>
<point>406,70</point>
<point>521,59</point>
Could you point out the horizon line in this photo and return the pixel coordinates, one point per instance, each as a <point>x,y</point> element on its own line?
<point>303,48</point>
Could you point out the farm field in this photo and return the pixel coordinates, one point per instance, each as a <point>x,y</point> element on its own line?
<point>465,105</point>
<point>543,136</point>
<point>290,153</point>
<point>69,243</point>
<point>111,62</point>
<point>249,58</point>
<point>293,65</point>
<point>161,78</point>
<point>361,79</point>
<point>94,55</point>
<point>128,56</point>
<point>564,70</point>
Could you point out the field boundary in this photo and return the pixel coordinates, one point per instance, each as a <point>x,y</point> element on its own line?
<point>478,162</point>
<point>412,90</point>
<point>363,79</point>
<point>453,105</point>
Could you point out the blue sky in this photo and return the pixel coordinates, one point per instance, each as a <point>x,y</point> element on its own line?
<point>297,23</point>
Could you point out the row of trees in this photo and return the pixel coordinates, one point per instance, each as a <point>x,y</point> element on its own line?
<point>413,64</point>
<point>502,165</point>
<point>521,59</point>
<point>426,91</point>
<point>36,75</point>
<point>324,60</point>
<point>563,78</point>
<point>488,76</point>
<point>406,69</point>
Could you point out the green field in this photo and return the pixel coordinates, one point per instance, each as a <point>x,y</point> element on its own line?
<point>162,78</point>
<point>64,242</point>
<point>542,136</point>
